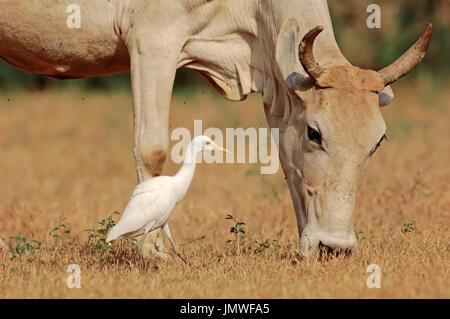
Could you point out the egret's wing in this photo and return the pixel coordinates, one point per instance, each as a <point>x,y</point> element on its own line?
<point>149,203</point>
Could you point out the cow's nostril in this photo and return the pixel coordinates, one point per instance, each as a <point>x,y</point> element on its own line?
<point>327,252</point>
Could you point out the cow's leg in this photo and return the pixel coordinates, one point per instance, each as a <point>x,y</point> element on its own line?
<point>141,255</point>
<point>152,75</point>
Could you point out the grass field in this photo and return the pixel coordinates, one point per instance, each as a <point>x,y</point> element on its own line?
<point>66,158</point>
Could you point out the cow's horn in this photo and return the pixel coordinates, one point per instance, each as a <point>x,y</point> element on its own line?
<point>305,53</point>
<point>404,64</point>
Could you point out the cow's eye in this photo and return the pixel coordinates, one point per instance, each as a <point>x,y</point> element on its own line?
<point>314,135</point>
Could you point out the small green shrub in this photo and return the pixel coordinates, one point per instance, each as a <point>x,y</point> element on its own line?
<point>97,237</point>
<point>408,227</point>
<point>20,247</point>
<point>245,242</point>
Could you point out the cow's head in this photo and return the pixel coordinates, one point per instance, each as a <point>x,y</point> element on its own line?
<point>331,125</point>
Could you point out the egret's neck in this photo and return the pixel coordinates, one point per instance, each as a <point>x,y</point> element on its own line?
<point>186,173</point>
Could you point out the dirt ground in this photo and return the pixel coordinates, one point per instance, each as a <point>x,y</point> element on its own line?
<point>66,159</point>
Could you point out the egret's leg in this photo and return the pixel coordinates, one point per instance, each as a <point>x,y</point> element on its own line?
<point>167,231</point>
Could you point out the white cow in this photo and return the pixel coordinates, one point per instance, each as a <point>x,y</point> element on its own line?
<point>327,111</point>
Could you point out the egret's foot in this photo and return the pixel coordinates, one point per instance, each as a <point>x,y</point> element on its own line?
<point>182,257</point>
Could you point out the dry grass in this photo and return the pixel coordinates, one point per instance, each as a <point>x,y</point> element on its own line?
<point>69,155</point>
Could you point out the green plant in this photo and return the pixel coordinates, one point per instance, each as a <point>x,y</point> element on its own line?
<point>360,235</point>
<point>238,228</point>
<point>97,237</point>
<point>133,243</point>
<point>408,227</point>
<point>60,230</point>
<point>246,242</point>
<point>19,247</point>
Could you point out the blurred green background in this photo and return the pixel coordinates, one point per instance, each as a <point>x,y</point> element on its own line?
<point>402,21</point>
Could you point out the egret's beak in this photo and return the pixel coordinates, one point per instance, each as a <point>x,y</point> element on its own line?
<point>217,147</point>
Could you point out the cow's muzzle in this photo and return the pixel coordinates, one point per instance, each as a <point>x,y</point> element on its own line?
<point>315,241</point>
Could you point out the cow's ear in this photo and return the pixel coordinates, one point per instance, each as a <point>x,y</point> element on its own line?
<point>298,82</point>
<point>286,54</point>
<point>385,97</point>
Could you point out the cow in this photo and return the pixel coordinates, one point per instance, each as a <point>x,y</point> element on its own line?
<point>327,111</point>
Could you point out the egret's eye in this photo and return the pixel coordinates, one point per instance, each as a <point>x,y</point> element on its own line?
<point>314,135</point>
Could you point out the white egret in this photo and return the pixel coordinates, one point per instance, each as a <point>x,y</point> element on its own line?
<point>153,200</point>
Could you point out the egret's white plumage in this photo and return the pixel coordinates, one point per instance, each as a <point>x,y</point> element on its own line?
<point>153,200</point>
